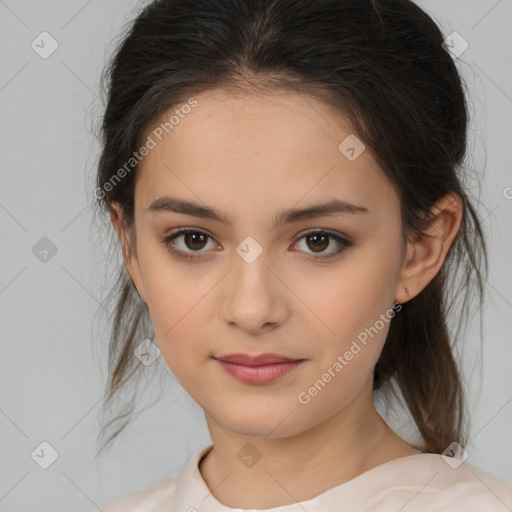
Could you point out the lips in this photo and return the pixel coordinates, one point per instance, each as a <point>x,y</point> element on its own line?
<point>260,369</point>
<point>260,360</point>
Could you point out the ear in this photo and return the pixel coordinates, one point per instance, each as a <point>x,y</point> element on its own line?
<point>126,239</point>
<point>426,253</point>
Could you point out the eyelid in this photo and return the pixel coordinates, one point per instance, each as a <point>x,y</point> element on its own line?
<point>169,237</point>
<point>341,239</point>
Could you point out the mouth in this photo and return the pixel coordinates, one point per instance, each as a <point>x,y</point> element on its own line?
<point>260,369</point>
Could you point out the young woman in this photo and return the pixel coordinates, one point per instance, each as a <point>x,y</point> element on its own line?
<point>285,180</point>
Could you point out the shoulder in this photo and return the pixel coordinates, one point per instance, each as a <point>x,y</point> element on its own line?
<point>167,494</point>
<point>470,489</point>
<point>434,483</point>
<point>147,500</point>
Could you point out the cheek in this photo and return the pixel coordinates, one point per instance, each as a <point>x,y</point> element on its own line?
<point>349,298</point>
<point>173,300</point>
<point>354,309</point>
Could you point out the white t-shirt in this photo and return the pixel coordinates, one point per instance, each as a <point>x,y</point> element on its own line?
<point>416,483</point>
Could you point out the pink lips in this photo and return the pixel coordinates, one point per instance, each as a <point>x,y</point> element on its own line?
<point>258,369</point>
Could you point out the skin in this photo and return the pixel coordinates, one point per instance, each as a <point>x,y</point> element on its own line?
<point>250,156</point>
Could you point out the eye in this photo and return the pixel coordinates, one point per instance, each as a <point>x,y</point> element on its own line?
<point>194,240</point>
<point>320,240</point>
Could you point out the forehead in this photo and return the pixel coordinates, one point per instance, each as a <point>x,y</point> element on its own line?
<point>273,148</point>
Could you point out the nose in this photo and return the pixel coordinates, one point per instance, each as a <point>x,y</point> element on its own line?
<point>255,298</point>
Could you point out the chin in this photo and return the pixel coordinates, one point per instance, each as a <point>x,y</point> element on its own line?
<point>260,422</point>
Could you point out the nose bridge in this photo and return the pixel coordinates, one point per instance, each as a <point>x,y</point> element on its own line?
<point>254,298</point>
<point>251,267</point>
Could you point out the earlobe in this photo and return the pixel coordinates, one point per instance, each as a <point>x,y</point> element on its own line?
<point>427,252</point>
<point>128,250</point>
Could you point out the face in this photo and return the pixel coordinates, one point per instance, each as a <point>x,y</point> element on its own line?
<point>317,289</point>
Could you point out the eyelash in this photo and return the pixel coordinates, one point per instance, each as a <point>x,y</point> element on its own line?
<point>188,256</point>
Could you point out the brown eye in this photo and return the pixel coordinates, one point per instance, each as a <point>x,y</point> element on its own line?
<point>194,240</point>
<point>318,241</point>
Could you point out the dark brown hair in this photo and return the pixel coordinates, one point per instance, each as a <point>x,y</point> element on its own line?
<point>379,63</point>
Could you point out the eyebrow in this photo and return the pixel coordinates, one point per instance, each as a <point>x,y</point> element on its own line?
<point>336,206</point>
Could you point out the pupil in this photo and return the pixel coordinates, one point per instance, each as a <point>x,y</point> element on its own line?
<point>316,237</point>
<point>319,241</point>
<point>193,235</point>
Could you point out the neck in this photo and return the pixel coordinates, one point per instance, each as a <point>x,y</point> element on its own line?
<point>244,472</point>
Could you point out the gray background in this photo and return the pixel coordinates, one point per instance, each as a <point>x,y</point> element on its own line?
<point>53,363</point>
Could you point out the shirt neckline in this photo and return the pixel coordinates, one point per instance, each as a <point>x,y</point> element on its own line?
<point>192,490</point>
